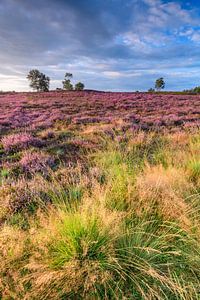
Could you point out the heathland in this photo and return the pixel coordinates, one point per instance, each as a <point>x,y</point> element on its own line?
<point>99,195</point>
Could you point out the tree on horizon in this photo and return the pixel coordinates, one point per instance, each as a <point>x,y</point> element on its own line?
<point>38,81</point>
<point>67,85</point>
<point>160,84</point>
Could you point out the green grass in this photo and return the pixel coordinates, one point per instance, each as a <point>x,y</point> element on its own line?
<point>120,223</point>
<point>194,169</point>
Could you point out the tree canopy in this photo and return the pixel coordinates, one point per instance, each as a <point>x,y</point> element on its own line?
<point>159,84</point>
<point>67,85</point>
<point>38,81</point>
<point>79,86</point>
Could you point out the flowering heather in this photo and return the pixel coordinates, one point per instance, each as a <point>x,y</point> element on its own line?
<point>121,221</point>
<point>33,162</point>
<point>143,109</point>
<point>19,141</point>
<point>16,196</point>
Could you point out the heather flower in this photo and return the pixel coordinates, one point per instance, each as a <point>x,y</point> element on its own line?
<point>35,111</point>
<point>19,141</point>
<point>16,197</point>
<point>33,162</point>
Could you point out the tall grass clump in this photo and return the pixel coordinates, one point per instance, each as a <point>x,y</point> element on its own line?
<point>75,251</point>
<point>194,170</point>
<point>124,226</point>
<point>82,254</point>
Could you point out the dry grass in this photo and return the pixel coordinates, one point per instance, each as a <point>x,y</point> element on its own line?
<point>164,189</point>
<point>122,225</point>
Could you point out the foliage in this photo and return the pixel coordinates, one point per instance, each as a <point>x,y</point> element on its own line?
<point>108,207</point>
<point>19,141</point>
<point>67,85</point>
<point>151,90</point>
<point>38,81</point>
<point>159,84</point>
<point>79,86</point>
<point>134,110</point>
<point>195,90</point>
<point>33,162</point>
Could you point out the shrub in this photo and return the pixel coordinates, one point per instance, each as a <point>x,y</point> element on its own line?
<point>19,141</point>
<point>79,86</point>
<point>33,162</point>
<point>16,197</point>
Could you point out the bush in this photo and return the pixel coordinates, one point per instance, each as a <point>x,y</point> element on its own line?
<point>19,141</point>
<point>33,162</point>
<point>16,198</point>
<point>79,86</point>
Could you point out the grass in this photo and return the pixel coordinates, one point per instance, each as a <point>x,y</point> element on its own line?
<point>123,223</point>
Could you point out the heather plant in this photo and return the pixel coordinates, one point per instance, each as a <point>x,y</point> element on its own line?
<point>19,141</point>
<point>118,216</point>
<point>16,198</point>
<point>33,162</point>
<point>137,110</point>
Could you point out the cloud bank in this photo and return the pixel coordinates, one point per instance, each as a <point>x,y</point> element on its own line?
<point>109,45</point>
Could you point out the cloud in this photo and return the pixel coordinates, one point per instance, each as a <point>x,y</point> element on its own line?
<point>112,44</point>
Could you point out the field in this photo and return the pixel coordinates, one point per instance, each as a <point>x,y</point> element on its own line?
<point>137,110</point>
<point>99,196</point>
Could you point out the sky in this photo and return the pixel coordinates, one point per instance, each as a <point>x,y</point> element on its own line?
<point>116,45</point>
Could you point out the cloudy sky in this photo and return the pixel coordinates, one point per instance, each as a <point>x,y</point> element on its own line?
<point>108,44</point>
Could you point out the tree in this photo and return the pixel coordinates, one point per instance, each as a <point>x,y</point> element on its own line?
<point>67,85</point>
<point>68,75</point>
<point>38,81</point>
<point>79,86</point>
<point>151,90</point>
<point>159,84</point>
<point>196,90</point>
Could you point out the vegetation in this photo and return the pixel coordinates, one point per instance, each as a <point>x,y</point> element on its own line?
<point>79,86</point>
<point>151,90</point>
<point>159,84</point>
<point>96,208</point>
<point>38,81</point>
<point>67,85</point>
<point>195,90</point>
